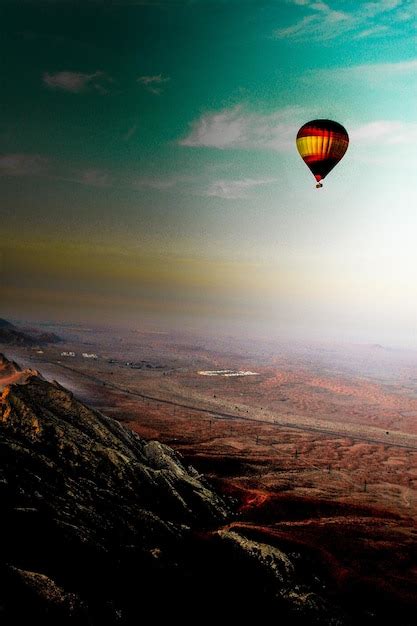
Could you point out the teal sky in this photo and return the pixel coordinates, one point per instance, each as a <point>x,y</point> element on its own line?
<point>148,168</point>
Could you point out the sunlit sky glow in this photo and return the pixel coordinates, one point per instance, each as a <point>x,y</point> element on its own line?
<point>148,167</point>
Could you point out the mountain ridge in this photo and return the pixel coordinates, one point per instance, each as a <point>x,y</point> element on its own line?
<point>101,527</point>
<point>30,337</point>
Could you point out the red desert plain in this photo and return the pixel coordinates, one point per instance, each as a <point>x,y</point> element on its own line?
<point>317,443</point>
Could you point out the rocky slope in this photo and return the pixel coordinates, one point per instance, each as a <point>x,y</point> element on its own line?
<point>11,372</point>
<point>12,335</point>
<point>101,527</point>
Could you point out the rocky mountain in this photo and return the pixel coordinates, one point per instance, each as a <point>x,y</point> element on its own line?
<point>12,335</point>
<point>99,526</point>
<point>11,372</point>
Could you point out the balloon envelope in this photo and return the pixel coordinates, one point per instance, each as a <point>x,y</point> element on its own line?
<point>321,144</point>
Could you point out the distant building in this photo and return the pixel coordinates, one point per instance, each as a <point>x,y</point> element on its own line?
<point>68,354</point>
<point>86,355</point>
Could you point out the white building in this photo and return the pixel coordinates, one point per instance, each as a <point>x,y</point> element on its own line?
<point>86,355</point>
<point>67,353</point>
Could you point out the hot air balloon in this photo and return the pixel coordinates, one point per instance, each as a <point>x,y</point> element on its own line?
<point>321,144</point>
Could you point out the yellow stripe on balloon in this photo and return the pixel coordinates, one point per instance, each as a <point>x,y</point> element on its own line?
<point>321,145</point>
<point>302,146</point>
<point>326,141</point>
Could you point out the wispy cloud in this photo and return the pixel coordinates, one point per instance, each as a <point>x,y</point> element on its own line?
<point>371,32</point>
<point>385,133</point>
<point>370,9</point>
<point>237,128</point>
<point>324,22</point>
<point>158,183</point>
<point>130,132</point>
<point>154,84</point>
<point>153,183</point>
<point>235,189</point>
<point>44,167</point>
<point>95,178</point>
<point>23,165</point>
<point>77,82</point>
<point>368,72</point>
<point>89,176</point>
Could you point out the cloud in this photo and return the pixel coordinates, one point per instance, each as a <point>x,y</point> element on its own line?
<point>235,189</point>
<point>325,23</point>
<point>76,82</point>
<point>38,165</point>
<point>300,27</point>
<point>158,183</point>
<point>371,9</point>
<point>385,133</point>
<point>23,165</point>
<point>368,72</point>
<point>95,178</point>
<point>90,176</point>
<point>236,128</point>
<point>130,132</point>
<point>153,183</point>
<point>370,32</point>
<point>153,84</point>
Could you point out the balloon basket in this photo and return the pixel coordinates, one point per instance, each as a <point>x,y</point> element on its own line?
<point>319,185</point>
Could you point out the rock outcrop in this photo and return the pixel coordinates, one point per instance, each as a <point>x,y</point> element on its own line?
<point>83,499</point>
<point>12,335</point>
<point>101,527</point>
<point>11,372</point>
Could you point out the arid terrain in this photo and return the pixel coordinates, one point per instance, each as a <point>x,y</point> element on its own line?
<point>317,443</point>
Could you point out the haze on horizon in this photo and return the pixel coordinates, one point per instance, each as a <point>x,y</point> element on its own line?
<point>149,172</point>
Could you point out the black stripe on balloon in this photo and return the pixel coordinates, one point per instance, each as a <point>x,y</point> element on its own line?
<point>323,128</point>
<point>323,167</point>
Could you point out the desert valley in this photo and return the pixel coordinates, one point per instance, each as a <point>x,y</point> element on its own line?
<point>315,444</point>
